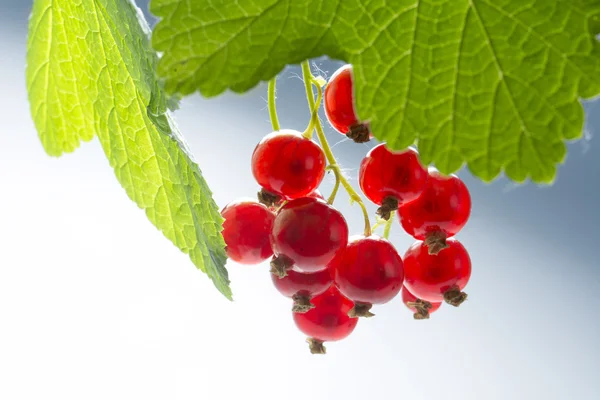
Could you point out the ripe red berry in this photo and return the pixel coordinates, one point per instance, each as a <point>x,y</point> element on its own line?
<point>307,233</point>
<point>246,231</point>
<point>440,212</point>
<point>287,164</point>
<point>421,308</point>
<point>302,287</point>
<point>275,206</point>
<point>391,178</point>
<point>369,271</point>
<point>328,321</point>
<point>440,277</point>
<point>340,106</point>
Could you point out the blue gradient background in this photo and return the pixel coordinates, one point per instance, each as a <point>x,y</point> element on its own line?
<point>96,304</point>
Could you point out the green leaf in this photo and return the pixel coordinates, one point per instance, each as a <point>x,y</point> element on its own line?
<point>494,83</point>
<point>91,71</point>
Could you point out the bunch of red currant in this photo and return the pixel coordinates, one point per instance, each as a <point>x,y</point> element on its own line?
<point>332,278</point>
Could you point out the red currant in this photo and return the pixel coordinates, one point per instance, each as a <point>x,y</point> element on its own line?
<point>287,164</point>
<point>420,308</point>
<point>440,277</point>
<point>369,271</point>
<point>246,231</point>
<point>307,233</point>
<point>302,287</point>
<point>328,321</point>
<point>391,178</point>
<point>339,106</point>
<point>440,212</point>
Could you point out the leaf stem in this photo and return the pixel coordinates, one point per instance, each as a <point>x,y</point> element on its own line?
<point>309,79</point>
<point>388,226</point>
<point>273,105</point>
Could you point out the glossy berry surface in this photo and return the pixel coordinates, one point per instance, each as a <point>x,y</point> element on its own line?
<point>328,321</point>
<point>444,206</point>
<point>246,230</point>
<point>339,101</point>
<point>369,270</point>
<point>398,174</point>
<point>287,164</point>
<point>309,232</point>
<point>430,276</point>
<point>408,297</point>
<point>302,283</point>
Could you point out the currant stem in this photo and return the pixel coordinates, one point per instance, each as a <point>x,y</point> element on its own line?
<point>309,79</point>
<point>336,187</point>
<point>388,226</point>
<point>314,116</point>
<point>272,105</point>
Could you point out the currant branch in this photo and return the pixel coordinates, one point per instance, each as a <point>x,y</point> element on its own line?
<point>272,105</point>
<point>309,80</point>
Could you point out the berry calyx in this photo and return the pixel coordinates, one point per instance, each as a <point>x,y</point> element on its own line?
<point>391,178</point>
<point>308,233</point>
<point>302,287</point>
<point>328,321</point>
<point>440,277</point>
<point>368,271</point>
<point>286,164</point>
<point>269,199</point>
<point>340,106</point>
<point>440,212</point>
<point>420,308</point>
<point>246,231</point>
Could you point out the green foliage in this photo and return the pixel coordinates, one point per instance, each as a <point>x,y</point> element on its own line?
<point>493,83</point>
<point>91,71</point>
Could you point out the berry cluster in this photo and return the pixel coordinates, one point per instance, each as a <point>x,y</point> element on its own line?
<point>332,277</point>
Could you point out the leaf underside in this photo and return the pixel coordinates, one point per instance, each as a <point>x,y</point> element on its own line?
<point>496,84</point>
<point>91,71</point>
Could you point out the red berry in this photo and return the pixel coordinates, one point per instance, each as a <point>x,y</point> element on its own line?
<point>340,105</point>
<point>440,212</point>
<point>328,321</point>
<point>287,164</point>
<point>308,233</point>
<point>391,178</point>
<point>440,277</point>
<point>316,194</point>
<point>369,271</point>
<point>246,231</point>
<point>421,308</point>
<point>302,287</point>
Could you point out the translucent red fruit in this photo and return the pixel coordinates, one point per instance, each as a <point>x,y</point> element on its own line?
<point>440,277</point>
<point>287,164</point>
<point>246,231</point>
<point>316,194</point>
<point>421,308</point>
<point>340,105</point>
<point>369,271</point>
<point>328,321</point>
<point>391,178</point>
<point>441,211</point>
<point>302,287</point>
<point>307,233</point>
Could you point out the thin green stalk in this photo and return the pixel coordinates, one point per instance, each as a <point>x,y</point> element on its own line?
<point>354,196</point>
<point>388,225</point>
<point>272,105</point>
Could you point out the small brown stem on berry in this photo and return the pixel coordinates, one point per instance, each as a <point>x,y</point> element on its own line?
<point>301,303</point>
<point>316,346</point>
<point>454,296</point>
<point>421,307</point>
<point>359,133</point>
<point>361,310</point>
<point>388,205</point>
<point>435,242</point>
<point>268,199</point>
<point>280,265</point>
